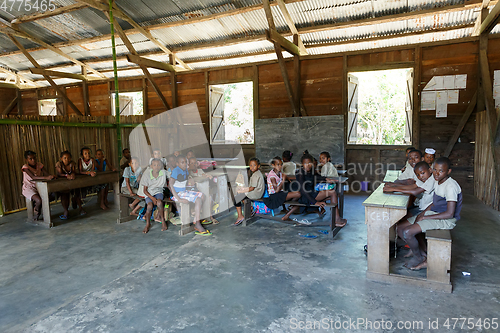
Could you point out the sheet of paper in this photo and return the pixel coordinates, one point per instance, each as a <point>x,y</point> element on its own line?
<point>428,100</point>
<point>496,78</point>
<point>497,104</point>
<point>430,85</point>
<point>496,92</point>
<point>441,104</point>
<point>461,81</point>
<point>439,82</point>
<point>452,96</point>
<point>449,82</point>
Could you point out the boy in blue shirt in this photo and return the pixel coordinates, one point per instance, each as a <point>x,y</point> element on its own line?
<point>443,213</point>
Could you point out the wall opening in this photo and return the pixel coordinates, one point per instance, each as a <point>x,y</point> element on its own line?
<point>131,103</point>
<point>380,108</point>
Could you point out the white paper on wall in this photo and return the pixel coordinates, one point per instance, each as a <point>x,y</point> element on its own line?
<point>496,78</point>
<point>430,85</point>
<point>441,104</point>
<point>452,96</point>
<point>439,82</point>
<point>460,81</point>
<point>449,82</point>
<point>428,100</point>
<point>496,92</point>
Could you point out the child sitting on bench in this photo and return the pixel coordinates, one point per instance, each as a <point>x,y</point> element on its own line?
<point>430,157</point>
<point>307,180</point>
<point>327,168</point>
<point>289,167</point>
<point>154,180</point>
<point>255,188</point>
<point>177,183</point>
<point>66,168</point>
<point>275,182</point>
<point>408,176</point>
<point>443,213</point>
<point>33,170</point>
<point>406,157</point>
<point>132,177</point>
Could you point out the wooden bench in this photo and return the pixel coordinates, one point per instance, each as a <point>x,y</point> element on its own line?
<point>247,213</point>
<point>439,256</point>
<point>184,212</point>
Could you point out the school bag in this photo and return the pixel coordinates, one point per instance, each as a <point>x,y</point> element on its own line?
<point>324,187</point>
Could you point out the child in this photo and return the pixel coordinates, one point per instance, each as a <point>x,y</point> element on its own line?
<point>101,165</point>
<point>194,172</point>
<point>307,179</point>
<point>86,166</point>
<point>443,213</point>
<point>277,197</point>
<point>132,175</point>
<point>430,156</point>
<point>33,170</point>
<point>408,176</point>
<point>190,154</point>
<point>157,155</point>
<point>288,166</point>
<point>124,162</point>
<point>406,156</point>
<point>153,181</point>
<point>255,188</point>
<point>177,183</point>
<point>327,168</point>
<point>171,164</point>
<point>67,168</point>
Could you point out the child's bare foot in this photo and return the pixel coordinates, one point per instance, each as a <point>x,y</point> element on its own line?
<point>409,254</point>
<point>340,222</point>
<point>420,266</point>
<point>146,228</point>
<point>414,262</point>
<point>134,213</point>
<point>103,206</point>
<point>131,206</point>
<point>321,211</point>
<point>164,226</point>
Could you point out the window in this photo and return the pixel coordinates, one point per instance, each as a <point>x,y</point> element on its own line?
<point>131,103</point>
<point>380,107</point>
<point>47,107</point>
<point>231,113</point>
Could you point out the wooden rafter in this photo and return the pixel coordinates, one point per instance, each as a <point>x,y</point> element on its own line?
<point>291,26</point>
<point>10,106</point>
<point>46,72</point>
<point>274,37</point>
<point>461,125</point>
<point>52,83</point>
<point>21,80</point>
<point>281,60</point>
<point>58,11</point>
<point>141,61</point>
<point>491,20</point>
<point>303,30</point>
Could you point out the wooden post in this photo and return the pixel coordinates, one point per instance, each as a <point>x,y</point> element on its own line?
<point>173,82</point>
<point>145,107</point>
<point>417,77</point>
<point>256,113</point>
<point>19,102</point>
<point>461,125</point>
<point>345,105</point>
<point>296,65</point>
<point>10,106</point>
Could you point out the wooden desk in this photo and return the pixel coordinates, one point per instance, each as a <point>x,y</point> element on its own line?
<point>45,187</point>
<point>382,211</point>
<point>391,176</point>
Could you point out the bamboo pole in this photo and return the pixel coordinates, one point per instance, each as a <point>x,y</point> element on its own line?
<point>117,97</point>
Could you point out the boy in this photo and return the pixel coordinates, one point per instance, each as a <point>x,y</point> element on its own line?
<point>430,156</point>
<point>157,155</point>
<point>255,188</point>
<point>406,156</point>
<point>171,164</point>
<point>194,172</point>
<point>132,175</point>
<point>153,181</point>
<point>125,160</point>
<point>443,213</point>
<point>177,184</point>
<point>408,176</point>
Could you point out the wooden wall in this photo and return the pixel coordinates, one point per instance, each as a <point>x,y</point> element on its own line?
<point>323,93</point>
<point>7,95</point>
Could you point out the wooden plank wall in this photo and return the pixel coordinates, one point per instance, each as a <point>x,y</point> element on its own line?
<point>322,94</point>
<point>8,95</point>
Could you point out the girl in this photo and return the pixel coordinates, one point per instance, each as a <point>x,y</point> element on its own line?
<point>66,168</point>
<point>288,166</point>
<point>86,166</point>
<point>33,170</point>
<point>255,188</point>
<point>277,197</point>
<point>102,165</point>
<point>132,177</point>
<point>307,179</point>
<point>327,168</point>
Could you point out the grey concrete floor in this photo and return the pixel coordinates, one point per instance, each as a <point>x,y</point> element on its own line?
<point>90,274</point>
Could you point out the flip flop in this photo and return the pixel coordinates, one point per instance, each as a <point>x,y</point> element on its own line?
<point>204,233</point>
<point>239,222</point>
<point>214,221</point>
<point>206,222</point>
<point>83,213</point>
<point>63,217</point>
<point>324,232</point>
<point>308,236</point>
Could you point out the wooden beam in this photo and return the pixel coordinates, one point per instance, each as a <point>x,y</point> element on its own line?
<point>46,72</point>
<point>85,93</point>
<point>19,102</point>
<point>296,66</point>
<point>491,20</point>
<point>8,85</point>
<point>10,106</point>
<point>274,37</point>
<point>148,75</point>
<point>141,61</point>
<point>487,88</point>
<point>58,11</point>
<point>173,82</point>
<point>281,60</point>
<point>417,78</point>
<point>461,125</point>
<point>291,26</point>
<point>315,28</point>
<point>52,83</point>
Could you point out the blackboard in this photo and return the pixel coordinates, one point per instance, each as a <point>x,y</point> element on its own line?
<point>316,134</point>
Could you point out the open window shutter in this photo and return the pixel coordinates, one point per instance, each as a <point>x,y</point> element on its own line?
<point>409,107</point>
<point>126,106</point>
<point>217,126</point>
<point>352,109</point>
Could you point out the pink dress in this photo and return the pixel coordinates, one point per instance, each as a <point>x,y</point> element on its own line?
<point>271,175</point>
<point>29,187</point>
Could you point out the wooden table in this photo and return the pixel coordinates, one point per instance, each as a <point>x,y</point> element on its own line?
<point>382,211</point>
<point>391,176</point>
<point>45,187</point>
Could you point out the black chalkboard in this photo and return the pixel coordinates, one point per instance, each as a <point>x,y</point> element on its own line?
<point>316,134</point>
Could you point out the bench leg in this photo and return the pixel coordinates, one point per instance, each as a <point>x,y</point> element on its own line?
<point>332,222</point>
<point>124,215</point>
<point>247,211</point>
<point>44,194</point>
<point>186,225</point>
<point>438,261</point>
<point>29,209</point>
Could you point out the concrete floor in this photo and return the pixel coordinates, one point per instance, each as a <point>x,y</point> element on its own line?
<point>91,274</point>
